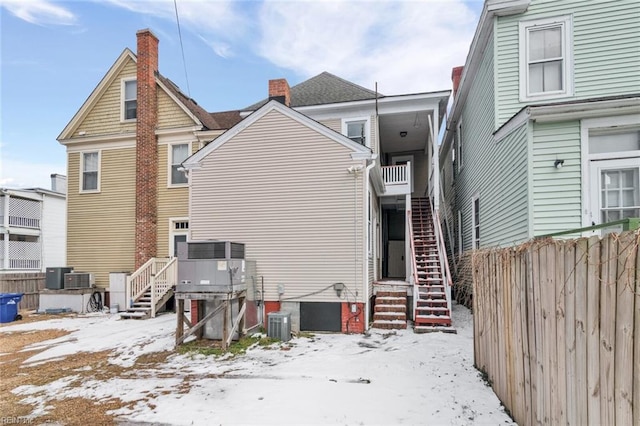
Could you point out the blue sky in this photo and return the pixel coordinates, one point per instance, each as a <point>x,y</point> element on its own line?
<point>54,53</point>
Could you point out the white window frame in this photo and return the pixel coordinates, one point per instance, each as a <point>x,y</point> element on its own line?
<point>475,241</point>
<point>81,177</point>
<point>170,146</point>
<point>123,84</point>
<point>367,128</point>
<point>601,126</point>
<point>566,25</point>
<point>459,144</point>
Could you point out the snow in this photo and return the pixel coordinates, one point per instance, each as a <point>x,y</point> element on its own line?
<point>385,377</point>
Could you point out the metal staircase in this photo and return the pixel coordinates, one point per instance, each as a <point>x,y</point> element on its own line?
<point>150,287</point>
<point>432,283</point>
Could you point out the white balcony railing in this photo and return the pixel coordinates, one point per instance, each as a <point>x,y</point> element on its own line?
<point>397,179</point>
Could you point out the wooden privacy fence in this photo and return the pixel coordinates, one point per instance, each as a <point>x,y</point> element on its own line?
<point>557,329</point>
<point>27,283</point>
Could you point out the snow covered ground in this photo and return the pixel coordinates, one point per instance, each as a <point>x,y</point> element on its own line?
<point>386,377</point>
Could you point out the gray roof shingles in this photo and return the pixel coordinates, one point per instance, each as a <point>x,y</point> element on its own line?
<point>324,88</point>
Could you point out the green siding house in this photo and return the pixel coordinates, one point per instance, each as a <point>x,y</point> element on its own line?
<point>544,132</point>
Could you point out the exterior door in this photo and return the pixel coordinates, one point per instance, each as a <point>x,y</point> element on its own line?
<point>396,259</point>
<point>615,190</point>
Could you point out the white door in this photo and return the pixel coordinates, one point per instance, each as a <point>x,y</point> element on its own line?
<point>615,190</point>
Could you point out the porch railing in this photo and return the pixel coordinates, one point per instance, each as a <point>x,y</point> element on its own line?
<point>141,280</point>
<point>162,282</point>
<point>394,175</point>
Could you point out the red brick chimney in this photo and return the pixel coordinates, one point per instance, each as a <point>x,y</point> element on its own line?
<point>456,75</point>
<point>146,147</point>
<point>279,90</point>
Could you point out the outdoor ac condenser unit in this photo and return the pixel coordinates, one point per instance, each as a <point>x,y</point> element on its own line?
<point>78,280</point>
<point>279,326</point>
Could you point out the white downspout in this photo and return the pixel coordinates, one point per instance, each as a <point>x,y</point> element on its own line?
<point>366,249</point>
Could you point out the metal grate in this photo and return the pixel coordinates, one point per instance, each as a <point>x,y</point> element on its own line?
<point>213,250</point>
<point>279,326</point>
<point>237,251</point>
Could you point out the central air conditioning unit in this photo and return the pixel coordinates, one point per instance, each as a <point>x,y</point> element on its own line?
<point>78,280</point>
<point>211,266</point>
<point>55,277</point>
<point>279,326</point>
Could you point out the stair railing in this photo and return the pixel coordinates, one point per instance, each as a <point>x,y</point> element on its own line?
<point>143,279</point>
<point>414,264</point>
<point>138,282</point>
<point>442,254</point>
<point>163,281</point>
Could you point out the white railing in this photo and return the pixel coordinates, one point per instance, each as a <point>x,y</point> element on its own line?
<point>157,275</point>
<point>24,254</point>
<point>442,254</point>
<point>397,179</point>
<point>395,175</point>
<point>24,222</point>
<point>162,282</point>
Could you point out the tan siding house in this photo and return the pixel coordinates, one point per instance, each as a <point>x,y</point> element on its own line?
<point>296,217</point>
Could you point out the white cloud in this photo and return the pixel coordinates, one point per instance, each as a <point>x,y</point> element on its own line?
<point>215,22</point>
<point>26,174</point>
<point>404,46</point>
<point>39,12</point>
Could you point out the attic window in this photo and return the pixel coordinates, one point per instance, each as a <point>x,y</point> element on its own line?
<point>357,130</point>
<point>129,96</point>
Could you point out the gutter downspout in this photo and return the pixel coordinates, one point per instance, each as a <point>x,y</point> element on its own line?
<point>366,250</point>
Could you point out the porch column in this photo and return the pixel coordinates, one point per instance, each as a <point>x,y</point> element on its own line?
<point>5,225</point>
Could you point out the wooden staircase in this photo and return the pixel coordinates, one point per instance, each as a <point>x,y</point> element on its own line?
<point>431,305</point>
<point>150,287</point>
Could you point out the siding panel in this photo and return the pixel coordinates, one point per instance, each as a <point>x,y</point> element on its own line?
<point>283,190</point>
<point>497,172</point>
<point>101,226</point>
<point>606,50</point>
<point>104,117</point>
<point>557,206</point>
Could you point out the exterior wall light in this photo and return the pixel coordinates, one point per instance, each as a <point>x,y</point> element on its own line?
<point>558,164</point>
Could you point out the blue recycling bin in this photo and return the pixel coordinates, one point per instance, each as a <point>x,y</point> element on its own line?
<point>9,306</point>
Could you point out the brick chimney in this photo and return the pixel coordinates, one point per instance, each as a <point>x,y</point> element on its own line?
<point>146,147</point>
<point>456,75</point>
<point>279,91</point>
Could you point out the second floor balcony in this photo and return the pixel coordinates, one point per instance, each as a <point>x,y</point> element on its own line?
<point>397,179</point>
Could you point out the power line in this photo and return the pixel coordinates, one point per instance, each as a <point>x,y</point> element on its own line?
<point>184,63</point>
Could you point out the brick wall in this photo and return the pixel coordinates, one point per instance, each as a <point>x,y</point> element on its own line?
<point>146,148</point>
<point>353,322</point>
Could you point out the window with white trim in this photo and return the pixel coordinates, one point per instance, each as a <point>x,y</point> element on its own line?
<point>129,99</point>
<point>476,222</point>
<point>90,175</point>
<point>179,153</point>
<point>357,130</point>
<point>546,58</point>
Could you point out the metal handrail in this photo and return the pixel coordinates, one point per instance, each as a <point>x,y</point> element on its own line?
<point>414,265</point>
